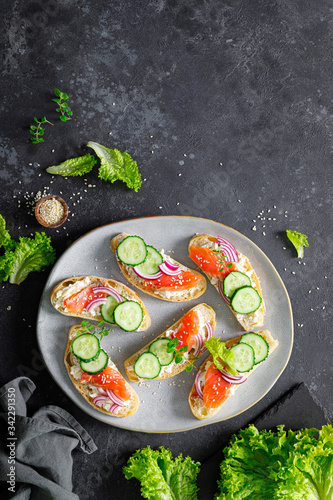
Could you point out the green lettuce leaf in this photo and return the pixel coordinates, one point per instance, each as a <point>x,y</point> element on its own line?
<point>5,239</point>
<point>117,166</point>
<point>299,241</point>
<point>74,166</point>
<point>278,465</point>
<point>31,255</point>
<point>161,476</point>
<point>223,357</point>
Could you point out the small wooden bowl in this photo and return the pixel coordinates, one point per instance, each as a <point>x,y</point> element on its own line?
<point>42,221</point>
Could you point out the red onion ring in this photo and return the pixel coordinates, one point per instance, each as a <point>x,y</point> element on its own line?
<point>145,276</point>
<point>114,398</point>
<point>171,266</point>
<point>165,268</point>
<point>197,383</point>
<point>101,391</point>
<point>114,408</point>
<point>210,330</point>
<point>99,400</point>
<point>221,292</point>
<point>229,250</point>
<point>95,303</point>
<point>232,379</point>
<point>108,290</point>
<point>198,343</point>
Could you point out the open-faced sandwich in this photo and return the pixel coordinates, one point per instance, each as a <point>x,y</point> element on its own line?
<point>100,299</point>
<point>154,272</point>
<point>96,377</point>
<point>232,275</point>
<point>175,349</point>
<point>228,366</point>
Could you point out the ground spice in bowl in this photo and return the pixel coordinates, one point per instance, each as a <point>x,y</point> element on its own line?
<point>51,211</point>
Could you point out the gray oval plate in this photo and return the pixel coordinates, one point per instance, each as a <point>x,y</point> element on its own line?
<point>164,404</point>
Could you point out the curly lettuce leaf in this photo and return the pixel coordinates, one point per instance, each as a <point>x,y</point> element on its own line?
<point>5,239</point>
<point>161,476</point>
<point>223,357</point>
<point>74,166</point>
<point>117,166</point>
<point>299,241</point>
<point>278,465</point>
<point>30,255</point>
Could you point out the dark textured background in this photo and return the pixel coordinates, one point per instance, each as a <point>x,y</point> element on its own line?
<point>237,97</point>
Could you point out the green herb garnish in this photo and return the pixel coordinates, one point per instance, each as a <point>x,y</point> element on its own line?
<point>65,113</point>
<point>37,130</point>
<point>223,357</point>
<point>74,166</point>
<point>100,329</point>
<point>180,353</point>
<point>299,241</point>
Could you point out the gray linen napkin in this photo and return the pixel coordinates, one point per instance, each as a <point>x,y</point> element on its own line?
<point>41,445</point>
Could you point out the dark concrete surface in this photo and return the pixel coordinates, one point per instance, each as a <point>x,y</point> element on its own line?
<point>237,98</point>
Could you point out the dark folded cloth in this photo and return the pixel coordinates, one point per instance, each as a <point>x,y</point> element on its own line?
<point>295,410</point>
<point>36,452</point>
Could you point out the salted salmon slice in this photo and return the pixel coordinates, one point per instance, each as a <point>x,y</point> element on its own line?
<point>78,301</point>
<point>188,329</point>
<point>182,281</point>
<point>216,390</point>
<point>211,262</point>
<point>108,379</point>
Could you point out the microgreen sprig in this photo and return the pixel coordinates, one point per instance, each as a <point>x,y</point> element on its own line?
<point>179,353</point>
<point>101,330</point>
<point>37,130</point>
<point>61,98</point>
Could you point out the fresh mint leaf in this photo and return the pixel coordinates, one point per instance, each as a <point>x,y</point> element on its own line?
<point>74,166</point>
<point>299,241</point>
<point>117,166</point>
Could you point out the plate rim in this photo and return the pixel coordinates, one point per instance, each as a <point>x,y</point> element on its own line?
<point>202,423</point>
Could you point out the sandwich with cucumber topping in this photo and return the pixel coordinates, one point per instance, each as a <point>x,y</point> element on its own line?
<point>96,377</point>
<point>227,368</point>
<point>175,349</point>
<point>154,272</point>
<point>232,275</point>
<point>100,299</point>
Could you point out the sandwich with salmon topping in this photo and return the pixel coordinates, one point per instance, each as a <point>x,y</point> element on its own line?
<point>154,272</point>
<point>100,299</point>
<point>95,376</point>
<point>227,368</point>
<point>232,275</point>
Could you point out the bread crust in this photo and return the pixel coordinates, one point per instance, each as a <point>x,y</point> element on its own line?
<point>198,408</point>
<point>246,322</point>
<point>208,315</point>
<point>95,281</point>
<point>190,294</point>
<point>125,411</point>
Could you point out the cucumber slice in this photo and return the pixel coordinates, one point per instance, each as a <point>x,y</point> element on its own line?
<point>108,308</point>
<point>97,365</point>
<point>147,365</point>
<point>259,345</point>
<point>86,347</point>
<point>233,281</point>
<point>128,315</point>
<point>159,348</point>
<point>153,260</point>
<point>245,300</point>
<point>132,250</point>
<point>243,359</point>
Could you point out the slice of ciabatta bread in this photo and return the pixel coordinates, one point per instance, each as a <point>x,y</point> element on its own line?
<point>247,321</point>
<point>197,405</point>
<point>206,314</point>
<point>88,392</point>
<point>70,286</point>
<point>169,295</point>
